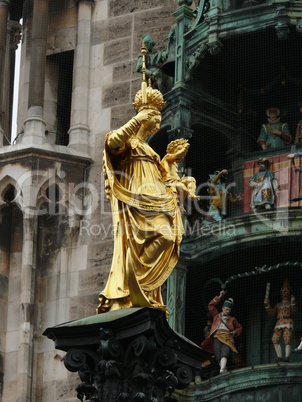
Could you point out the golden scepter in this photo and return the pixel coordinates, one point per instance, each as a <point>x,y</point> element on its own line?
<point>144,82</point>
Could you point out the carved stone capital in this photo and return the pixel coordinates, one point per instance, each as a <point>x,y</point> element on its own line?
<point>127,355</point>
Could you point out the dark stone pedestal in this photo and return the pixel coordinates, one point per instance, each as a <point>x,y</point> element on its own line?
<point>127,355</point>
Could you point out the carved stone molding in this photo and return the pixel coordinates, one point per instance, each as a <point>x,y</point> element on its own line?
<point>47,190</point>
<point>201,247</point>
<point>15,34</point>
<point>251,382</point>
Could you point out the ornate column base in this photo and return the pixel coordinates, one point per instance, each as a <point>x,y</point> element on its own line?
<point>78,138</point>
<point>127,355</point>
<point>34,127</point>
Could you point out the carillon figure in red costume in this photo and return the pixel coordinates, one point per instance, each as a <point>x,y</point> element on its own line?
<point>223,330</point>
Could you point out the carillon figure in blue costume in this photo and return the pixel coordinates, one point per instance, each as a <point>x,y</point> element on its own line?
<point>274,134</point>
<point>265,186</point>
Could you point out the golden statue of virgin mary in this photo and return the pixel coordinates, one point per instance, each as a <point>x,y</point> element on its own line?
<point>145,212</point>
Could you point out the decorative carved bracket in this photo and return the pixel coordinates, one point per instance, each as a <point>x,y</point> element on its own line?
<point>282,30</point>
<point>193,61</point>
<point>215,47</point>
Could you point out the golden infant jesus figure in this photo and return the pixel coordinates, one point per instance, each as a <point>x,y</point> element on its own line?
<point>184,187</point>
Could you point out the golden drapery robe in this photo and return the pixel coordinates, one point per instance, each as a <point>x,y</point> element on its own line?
<point>146,219</point>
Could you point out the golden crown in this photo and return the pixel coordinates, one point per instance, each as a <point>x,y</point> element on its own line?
<point>154,101</point>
